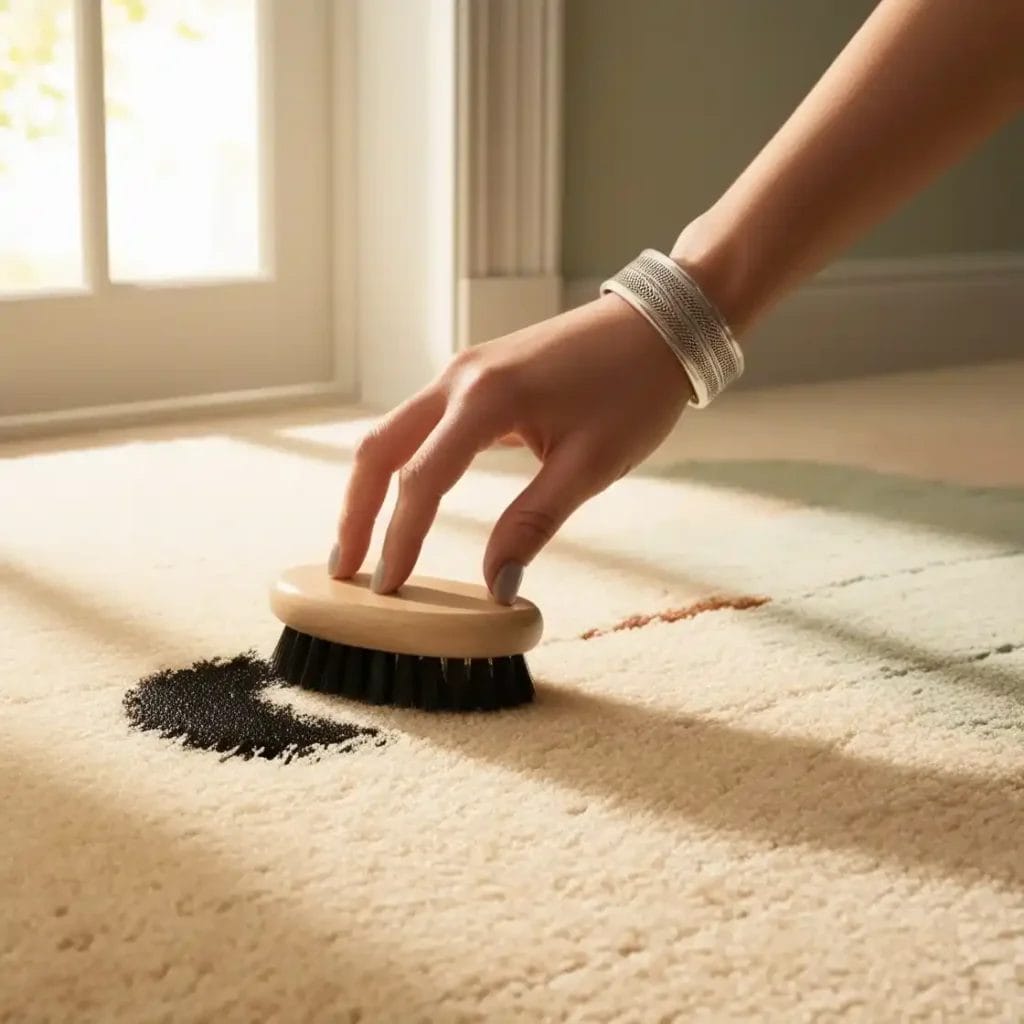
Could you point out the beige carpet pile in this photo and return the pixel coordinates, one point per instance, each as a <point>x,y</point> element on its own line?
<point>807,809</point>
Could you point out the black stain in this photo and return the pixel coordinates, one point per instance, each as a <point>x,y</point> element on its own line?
<point>217,705</point>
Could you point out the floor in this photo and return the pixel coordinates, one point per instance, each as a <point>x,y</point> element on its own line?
<point>773,771</point>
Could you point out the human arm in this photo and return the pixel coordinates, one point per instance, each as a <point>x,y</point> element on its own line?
<point>919,86</point>
<point>593,391</point>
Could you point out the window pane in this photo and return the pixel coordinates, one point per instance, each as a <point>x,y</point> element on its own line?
<point>182,99</point>
<point>40,205</point>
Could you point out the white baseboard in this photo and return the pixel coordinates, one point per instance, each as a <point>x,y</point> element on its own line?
<point>492,306</point>
<point>166,409</point>
<point>871,316</point>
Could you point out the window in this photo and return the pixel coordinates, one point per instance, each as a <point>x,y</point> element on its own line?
<point>164,199</point>
<point>40,208</point>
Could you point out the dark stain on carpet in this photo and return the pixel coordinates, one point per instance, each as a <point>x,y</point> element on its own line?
<point>217,705</point>
<point>690,611</point>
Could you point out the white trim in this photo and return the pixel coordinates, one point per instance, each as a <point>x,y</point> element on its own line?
<point>344,182</point>
<point>509,169</point>
<point>92,144</point>
<point>164,409</point>
<point>869,316</point>
<point>907,269</point>
<point>405,171</point>
<point>553,134</point>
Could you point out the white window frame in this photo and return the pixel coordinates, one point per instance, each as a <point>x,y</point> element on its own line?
<point>112,342</point>
<point>429,247</point>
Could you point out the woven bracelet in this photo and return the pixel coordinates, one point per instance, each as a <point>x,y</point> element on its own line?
<point>673,303</point>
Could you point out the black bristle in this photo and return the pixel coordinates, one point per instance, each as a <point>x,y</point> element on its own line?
<point>404,680</point>
<point>456,676</point>
<point>382,669</point>
<point>431,684</point>
<point>524,681</point>
<point>505,690</point>
<point>297,658</point>
<point>283,650</point>
<point>355,672</point>
<point>314,667</point>
<point>404,690</point>
<point>481,682</point>
<point>333,675</point>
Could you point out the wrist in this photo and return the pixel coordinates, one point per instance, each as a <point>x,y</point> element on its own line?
<point>718,260</point>
<point>628,326</point>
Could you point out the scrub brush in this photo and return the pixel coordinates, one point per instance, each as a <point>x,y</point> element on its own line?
<point>436,644</point>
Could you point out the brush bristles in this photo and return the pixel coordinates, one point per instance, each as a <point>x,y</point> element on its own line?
<point>402,680</point>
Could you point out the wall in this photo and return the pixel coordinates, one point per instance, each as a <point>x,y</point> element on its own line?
<point>667,100</point>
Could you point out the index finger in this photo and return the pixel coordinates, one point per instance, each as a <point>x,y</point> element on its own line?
<point>385,449</point>
<point>444,457</point>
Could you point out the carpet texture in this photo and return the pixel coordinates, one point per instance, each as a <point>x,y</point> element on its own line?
<point>781,779</point>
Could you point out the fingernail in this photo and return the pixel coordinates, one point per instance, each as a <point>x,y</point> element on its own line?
<point>377,582</point>
<point>506,583</point>
<point>333,559</point>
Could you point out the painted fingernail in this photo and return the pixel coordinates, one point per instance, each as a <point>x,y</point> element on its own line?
<point>377,582</point>
<point>333,559</point>
<point>506,583</point>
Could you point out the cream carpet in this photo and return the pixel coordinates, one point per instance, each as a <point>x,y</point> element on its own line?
<point>809,810</point>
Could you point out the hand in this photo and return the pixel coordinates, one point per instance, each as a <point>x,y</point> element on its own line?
<point>591,392</point>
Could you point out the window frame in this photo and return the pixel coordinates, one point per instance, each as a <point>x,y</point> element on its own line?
<point>111,343</point>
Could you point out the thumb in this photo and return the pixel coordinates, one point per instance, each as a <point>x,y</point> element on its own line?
<point>532,520</point>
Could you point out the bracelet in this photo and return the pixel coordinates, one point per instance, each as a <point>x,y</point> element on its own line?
<point>673,303</point>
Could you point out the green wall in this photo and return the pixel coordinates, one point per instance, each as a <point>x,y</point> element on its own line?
<point>667,100</point>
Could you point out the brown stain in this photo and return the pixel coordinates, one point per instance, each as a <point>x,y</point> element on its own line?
<point>690,611</point>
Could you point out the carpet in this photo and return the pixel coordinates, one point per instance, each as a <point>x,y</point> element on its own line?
<point>775,769</point>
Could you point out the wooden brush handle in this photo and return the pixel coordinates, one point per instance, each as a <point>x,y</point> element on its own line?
<point>430,617</point>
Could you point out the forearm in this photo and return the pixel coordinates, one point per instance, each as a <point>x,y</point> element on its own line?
<point>921,84</point>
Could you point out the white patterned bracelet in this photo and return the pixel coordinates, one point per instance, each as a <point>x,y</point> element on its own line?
<point>673,303</point>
